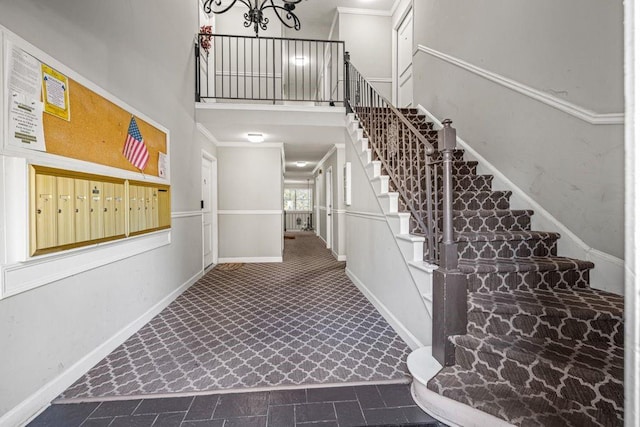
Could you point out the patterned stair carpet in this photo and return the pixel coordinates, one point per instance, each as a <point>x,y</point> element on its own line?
<point>542,347</point>
<point>297,323</point>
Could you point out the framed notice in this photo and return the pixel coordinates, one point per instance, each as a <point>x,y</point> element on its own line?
<point>55,92</point>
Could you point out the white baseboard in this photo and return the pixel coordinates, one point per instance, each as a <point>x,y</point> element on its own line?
<point>411,340</point>
<point>608,274</point>
<point>338,257</point>
<point>249,260</point>
<point>41,399</point>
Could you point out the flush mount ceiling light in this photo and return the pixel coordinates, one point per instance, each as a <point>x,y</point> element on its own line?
<point>255,138</point>
<point>300,60</point>
<point>255,15</point>
<point>301,164</point>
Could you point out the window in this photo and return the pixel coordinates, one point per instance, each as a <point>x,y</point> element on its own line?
<point>297,199</point>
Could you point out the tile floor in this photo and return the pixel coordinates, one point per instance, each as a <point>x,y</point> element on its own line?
<point>382,405</point>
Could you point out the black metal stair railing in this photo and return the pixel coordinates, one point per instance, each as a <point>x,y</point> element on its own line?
<point>406,155</point>
<point>231,67</point>
<point>418,173</point>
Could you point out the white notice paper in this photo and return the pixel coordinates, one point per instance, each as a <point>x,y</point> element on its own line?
<point>162,165</point>
<point>23,73</point>
<point>25,123</point>
<point>25,108</point>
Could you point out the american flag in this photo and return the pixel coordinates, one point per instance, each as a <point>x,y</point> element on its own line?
<point>135,149</point>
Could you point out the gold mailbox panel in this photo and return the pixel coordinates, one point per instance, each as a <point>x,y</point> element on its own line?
<point>45,210</point>
<point>82,214</point>
<point>66,206</point>
<point>71,209</point>
<point>96,211</point>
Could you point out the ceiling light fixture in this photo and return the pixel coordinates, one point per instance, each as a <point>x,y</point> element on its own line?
<point>300,60</point>
<point>301,164</point>
<point>255,15</point>
<point>255,138</point>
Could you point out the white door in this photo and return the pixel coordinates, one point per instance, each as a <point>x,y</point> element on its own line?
<point>329,193</point>
<point>405,60</point>
<point>316,219</point>
<point>209,211</point>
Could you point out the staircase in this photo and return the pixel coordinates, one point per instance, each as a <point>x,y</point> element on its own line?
<point>542,348</point>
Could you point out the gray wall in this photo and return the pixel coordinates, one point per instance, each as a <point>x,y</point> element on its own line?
<point>374,259</point>
<point>368,39</point>
<point>120,46</point>
<point>250,180</point>
<point>571,50</point>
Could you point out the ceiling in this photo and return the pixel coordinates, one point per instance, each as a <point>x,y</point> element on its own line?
<point>304,139</point>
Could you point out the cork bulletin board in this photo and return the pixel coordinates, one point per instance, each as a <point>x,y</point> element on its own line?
<point>97,131</point>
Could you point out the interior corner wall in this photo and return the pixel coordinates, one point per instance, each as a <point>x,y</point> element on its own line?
<point>572,168</point>
<point>250,190</point>
<point>368,39</point>
<point>47,332</point>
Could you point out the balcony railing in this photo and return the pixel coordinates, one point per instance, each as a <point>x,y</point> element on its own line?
<point>278,70</point>
<point>298,221</point>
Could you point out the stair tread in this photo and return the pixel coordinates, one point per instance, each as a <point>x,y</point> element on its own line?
<point>490,236</point>
<point>501,265</point>
<point>581,303</point>
<point>493,212</point>
<point>518,405</point>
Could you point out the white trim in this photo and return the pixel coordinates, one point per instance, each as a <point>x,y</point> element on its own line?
<point>185,214</point>
<point>412,341</point>
<point>271,107</point>
<point>379,79</point>
<point>249,260</point>
<point>322,208</point>
<point>250,212</point>
<point>570,108</point>
<point>367,215</point>
<point>359,11</point>
<point>39,401</point>
<point>395,6</point>
<point>338,211</point>
<point>324,159</point>
<point>338,257</point>
<point>45,269</point>
<point>609,271</point>
<point>243,144</point>
<point>206,133</point>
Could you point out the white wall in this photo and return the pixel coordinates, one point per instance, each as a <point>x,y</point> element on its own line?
<point>250,203</point>
<point>368,39</point>
<point>375,262</point>
<point>572,168</point>
<point>141,52</point>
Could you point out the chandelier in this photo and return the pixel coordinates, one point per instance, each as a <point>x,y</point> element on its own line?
<point>255,15</point>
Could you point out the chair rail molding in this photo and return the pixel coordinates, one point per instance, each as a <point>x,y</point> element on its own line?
<point>570,108</point>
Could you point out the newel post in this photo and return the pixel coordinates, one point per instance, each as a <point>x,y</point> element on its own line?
<point>347,83</point>
<point>449,284</point>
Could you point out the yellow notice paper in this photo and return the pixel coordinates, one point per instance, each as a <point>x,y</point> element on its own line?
<point>55,91</point>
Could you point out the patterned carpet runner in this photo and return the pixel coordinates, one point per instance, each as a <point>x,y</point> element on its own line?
<point>542,348</point>
<point>300,322</point>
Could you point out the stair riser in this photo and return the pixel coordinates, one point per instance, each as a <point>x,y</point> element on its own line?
<point>485,201</point>
<point>504,282</point>
<point>508,249</point>
<point>546,377</point>
<point>461,183</point>
<point>610,331</point>
<point>510,222</point>
<point>461,168</point>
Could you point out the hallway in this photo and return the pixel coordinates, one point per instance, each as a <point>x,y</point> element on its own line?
<point>255,326</point>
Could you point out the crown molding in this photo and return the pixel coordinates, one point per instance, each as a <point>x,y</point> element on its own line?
<point>359,11</point>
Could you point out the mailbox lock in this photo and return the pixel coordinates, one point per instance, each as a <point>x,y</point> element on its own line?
<point>39,211</point>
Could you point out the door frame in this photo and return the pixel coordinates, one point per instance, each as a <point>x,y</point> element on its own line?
<point>394,51</point>
<point>214,209</point>
<point>329,203</point>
